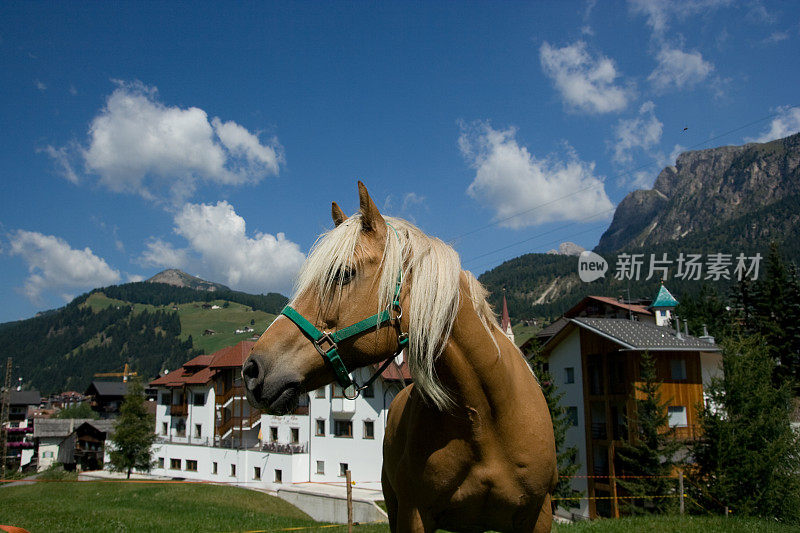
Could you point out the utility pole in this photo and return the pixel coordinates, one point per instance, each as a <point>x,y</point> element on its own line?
<point>4,415</point>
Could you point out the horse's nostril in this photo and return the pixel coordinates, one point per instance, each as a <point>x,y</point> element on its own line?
<point>251,371</point>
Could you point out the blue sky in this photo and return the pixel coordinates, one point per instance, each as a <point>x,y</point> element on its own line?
<point>143,136</point>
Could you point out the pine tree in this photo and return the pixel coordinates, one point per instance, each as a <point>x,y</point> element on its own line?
<point>748,457</point>
<point>567,457</point>
<point>134,433</point>
<point>651,450</point>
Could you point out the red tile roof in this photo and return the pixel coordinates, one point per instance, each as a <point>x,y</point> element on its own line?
<point>639,309</point>
<point>395,372</point>
<point>232,356</point>
<point>200,360</point>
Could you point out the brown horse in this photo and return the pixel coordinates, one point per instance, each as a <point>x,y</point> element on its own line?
<point>469,446</point>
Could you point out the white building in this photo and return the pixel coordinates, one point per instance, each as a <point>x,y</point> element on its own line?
<point>208,431</point>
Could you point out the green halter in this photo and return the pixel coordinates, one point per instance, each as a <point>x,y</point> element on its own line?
<point>327,343</point>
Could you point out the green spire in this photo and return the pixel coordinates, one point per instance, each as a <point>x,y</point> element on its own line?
<point>664,299</point>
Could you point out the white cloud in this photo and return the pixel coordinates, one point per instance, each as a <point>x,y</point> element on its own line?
<point>134,278</point>
<point>775,37</point>
<point>411,199</point>
<point>676,151</point>
<point>585,83</point>
<point>40,85</point>
<point>220,249</point>
<point>512,181</point>
<point>53,264</point>
<point>62,157</point>
<point>784,124</point>
<point>138,144</point>
<point>642,132</point>
<point>660,12</point>
<point>679,69</point>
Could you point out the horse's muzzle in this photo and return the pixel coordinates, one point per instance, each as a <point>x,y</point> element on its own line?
<point>275,395</point>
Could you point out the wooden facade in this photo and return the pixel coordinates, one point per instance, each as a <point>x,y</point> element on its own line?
<point>611,375</point>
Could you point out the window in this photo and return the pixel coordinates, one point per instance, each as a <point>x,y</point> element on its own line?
<point>160,461</point>
<point>320,467</point>
<point>343,468</point>
<point>369,429</point>
<point>273,434</point>
<point>257,472</point>
<point>233,470</point>
<point>191,465</point>
<point>572,415</point>
<point>198,430</point>
<point>278,476</point>
<point>164,428</point>
<point>569,374</point>
<point>677,416</point>
<point>320,393</point>
<point>336,391</point>
<point>677,368</point>
<point>175,464</point>
<point>320,428</point>
<point>199,398</point>
<point>295,433</point>
<point>166,398</point>
<point>214,468</point>
<point>343,428</point>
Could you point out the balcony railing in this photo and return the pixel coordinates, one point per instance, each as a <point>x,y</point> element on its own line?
<point>276,447</point>
<point>599,430</point>
<point>230,393</point>
<point>178,410</point>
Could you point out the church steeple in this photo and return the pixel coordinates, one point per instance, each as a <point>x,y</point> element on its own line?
<point>663,305</point>
<point>505,320</point>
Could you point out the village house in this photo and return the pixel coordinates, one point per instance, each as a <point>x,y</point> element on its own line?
<point>106,397</point>
<point>593,353</point>
<point>207,430</point>
<point>22,406</point>
<point>76,443</point>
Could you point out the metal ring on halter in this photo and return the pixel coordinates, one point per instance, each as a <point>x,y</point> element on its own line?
<point>357,390</point>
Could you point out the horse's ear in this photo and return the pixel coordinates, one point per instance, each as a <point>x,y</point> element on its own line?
<point>371,219</point>
<point>337,214</point>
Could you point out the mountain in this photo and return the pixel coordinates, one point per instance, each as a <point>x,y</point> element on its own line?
<point>732,199</point>
<point>567,248</point>
<point>179,278</point>
<point>150,325</point>
<point>707,189</point>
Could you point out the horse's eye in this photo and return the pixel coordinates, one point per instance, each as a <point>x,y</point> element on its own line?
<point>346,275</point>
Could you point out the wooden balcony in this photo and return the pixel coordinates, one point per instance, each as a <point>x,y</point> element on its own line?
<point>230,393</point>
<point>178,410</point>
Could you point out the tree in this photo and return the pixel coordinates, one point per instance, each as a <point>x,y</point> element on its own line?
<point>651,450</point>
<point>82,410</point>
<point>134,433</point>
<point>748,456</point>
<point>567,457</point>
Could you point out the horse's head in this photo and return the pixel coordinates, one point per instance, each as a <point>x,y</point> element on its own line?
<point>347,278</point>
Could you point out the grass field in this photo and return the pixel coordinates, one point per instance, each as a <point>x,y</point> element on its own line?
<point>101,507</point>
<point>195,320</point>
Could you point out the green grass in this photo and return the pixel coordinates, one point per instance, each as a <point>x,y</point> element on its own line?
<point>99,506</point>
<point>676,524</point>
<point>195,320</point>
<point>523,332</point>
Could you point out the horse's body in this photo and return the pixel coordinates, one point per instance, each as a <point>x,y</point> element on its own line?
<point>469,446</point>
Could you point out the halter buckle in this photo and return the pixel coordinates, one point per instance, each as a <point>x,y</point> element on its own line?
<point>326,338</point>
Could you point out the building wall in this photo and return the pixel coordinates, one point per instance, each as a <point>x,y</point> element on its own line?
<point>568,355</point>
<point>48,452</point>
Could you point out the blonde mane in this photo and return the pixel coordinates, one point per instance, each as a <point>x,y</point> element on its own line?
<point>430,269</point>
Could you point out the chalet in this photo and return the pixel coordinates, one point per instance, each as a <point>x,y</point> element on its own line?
<point>207,430</point>
<point>23,404</point>
<point>595,361</point>
<point>77,443</point>
<point>106,397</point>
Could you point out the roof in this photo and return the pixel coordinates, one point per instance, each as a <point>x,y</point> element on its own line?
<point>664,299</point>
<point>635,335</point>
<point>200,360</point>
<point>232,356</point>
<point>395,372</point>
<point>107,388</point>
<point>61,427</point>
<point>505,323</point>
<point>583,304</point>
<point>25,397</point>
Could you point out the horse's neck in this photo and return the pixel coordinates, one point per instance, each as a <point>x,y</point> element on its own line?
<point>471,369</point>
